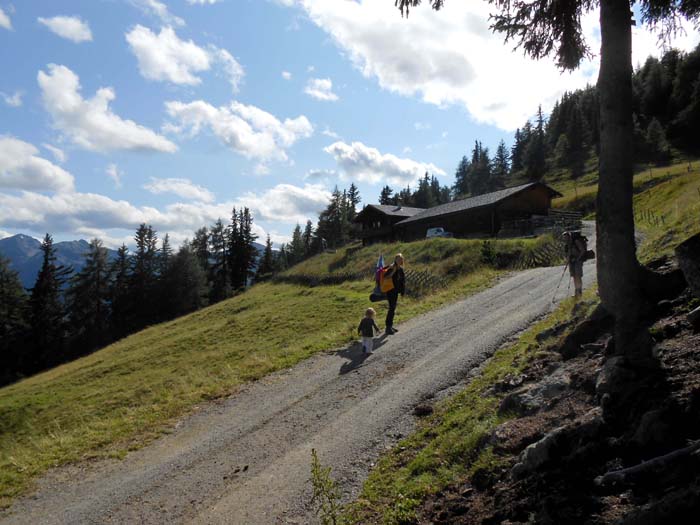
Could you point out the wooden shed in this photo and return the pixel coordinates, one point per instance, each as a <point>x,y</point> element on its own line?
<point>378,221</point>
<point>480,215</point>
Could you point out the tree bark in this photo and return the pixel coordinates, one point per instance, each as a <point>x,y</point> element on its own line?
<point>617,265</point>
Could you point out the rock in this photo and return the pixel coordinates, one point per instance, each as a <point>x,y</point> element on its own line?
<point>653,429</point>
<point>422,410</point>
<point>534,397</point>
<point>559,442</point>
<point>688,255</point>
<point>694,319</point>
<point>613,376</point>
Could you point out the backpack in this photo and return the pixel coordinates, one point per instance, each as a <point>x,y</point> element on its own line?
<point>386,282</point>
<point>571,246</point>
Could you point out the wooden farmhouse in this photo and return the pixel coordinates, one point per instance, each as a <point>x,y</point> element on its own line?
<point>516,210</point>
<point>377,222</point>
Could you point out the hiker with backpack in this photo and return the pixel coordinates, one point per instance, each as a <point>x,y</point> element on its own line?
<point>393,283</point>
<point>576,248</point>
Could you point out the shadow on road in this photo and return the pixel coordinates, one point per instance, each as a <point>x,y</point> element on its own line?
<point>355,356</point>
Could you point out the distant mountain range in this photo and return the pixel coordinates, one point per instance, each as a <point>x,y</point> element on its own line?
<point>25,256</point>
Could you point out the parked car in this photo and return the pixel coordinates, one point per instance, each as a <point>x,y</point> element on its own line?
<point>437,232</point>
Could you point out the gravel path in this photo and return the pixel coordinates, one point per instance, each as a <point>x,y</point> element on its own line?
<point>247,459</point>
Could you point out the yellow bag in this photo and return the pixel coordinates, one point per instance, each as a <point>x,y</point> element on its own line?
<point>386,283</point>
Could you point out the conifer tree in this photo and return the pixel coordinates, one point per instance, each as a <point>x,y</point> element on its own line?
<point>461,186</point>
<point>143,278</point>
<point>267,262</point>
<point>189,283</point>
<point>220,254</point>
<point>296,247</point>
<point>308,238</point>
<point>88,302</point>
<point>13,323</point>
<point>119,293</point>
<point>385,197</point>
<point>200,248</point>
<point>47,313</point>
<point>500,168</point>
<point>354,199</point>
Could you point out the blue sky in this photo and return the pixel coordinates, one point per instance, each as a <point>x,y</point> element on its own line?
<point>117,112</point>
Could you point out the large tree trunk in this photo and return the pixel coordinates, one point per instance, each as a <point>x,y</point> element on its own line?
<point>618,268</point>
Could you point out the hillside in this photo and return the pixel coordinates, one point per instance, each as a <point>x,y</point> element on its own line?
<point>123,396</point>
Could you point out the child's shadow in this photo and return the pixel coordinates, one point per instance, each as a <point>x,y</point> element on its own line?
<point>355,356</point>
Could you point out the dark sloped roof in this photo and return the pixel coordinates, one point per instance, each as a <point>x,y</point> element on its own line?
<point>394,211</point>
<point>487,199</point>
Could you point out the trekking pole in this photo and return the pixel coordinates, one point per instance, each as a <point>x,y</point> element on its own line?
<point>560,280</point>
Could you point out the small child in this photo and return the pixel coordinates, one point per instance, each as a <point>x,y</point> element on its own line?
<point>367,329</point>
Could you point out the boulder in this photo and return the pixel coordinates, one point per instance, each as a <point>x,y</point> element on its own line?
<point>537,396</point>
<point>688,255</point>
<point>559,443</point>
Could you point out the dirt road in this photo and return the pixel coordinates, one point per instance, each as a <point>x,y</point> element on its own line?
<point>247,459</point>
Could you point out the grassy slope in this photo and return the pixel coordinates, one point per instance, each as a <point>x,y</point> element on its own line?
<point>442,450</point>
<point>126,394</point>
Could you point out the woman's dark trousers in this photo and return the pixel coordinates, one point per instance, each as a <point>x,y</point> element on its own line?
<point>392,296</point>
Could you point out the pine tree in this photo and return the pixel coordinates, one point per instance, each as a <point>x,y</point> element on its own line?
<point>188,283</point>
<point>13,323</point>
<point>353,200</point>
<point>119,294</point>
<point>385,197</point>
<point>143,278</point>
<point>267,262</point>
<point>308,238</point>
<point>88,302</point>
<point>461,186</point>
<point>220,271</point>
<point>200,248</point>
<point>47,313</point>
<point>500,168</point>
<point>516,153</point>
<point>296,247</point>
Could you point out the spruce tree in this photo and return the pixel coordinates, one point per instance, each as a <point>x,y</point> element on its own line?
<point>144,277</point>
<point>88,302</point>
<point>296,247</point>
<point>47,318</point>
<point>267,262</point>
<point>220,271</point>
<point>385,197</point>
<point>189,283</point>
<point>13,323</point>
<point>308,238</point>
<point>500,167</point>
<point>461,186</point>
<point>353,201</point>
<point>119,294</point>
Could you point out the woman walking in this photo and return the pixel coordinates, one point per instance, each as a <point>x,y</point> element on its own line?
<point>398,280</point>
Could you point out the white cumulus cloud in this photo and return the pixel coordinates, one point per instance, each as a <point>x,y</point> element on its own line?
<point>114,173</point>
<point>167,58</point>
<point>91,214</point>
<point>21,168</point>
<point>69,27</point>
<point>5,20</point>
<point>287,203</point>
<point>57,153</point>
<point>184,188</point>
<point>90,123</point>
<point>159,10</point>
<point>286,75</point>
<point>248,130</point>
<point>321,89</point>
<point>14,100</point>
<point>366,164</point>
<point>451,57</point>
<point>203,2</point>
